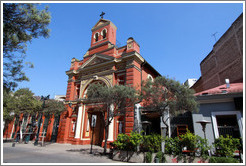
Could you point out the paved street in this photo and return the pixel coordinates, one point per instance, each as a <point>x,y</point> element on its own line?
<point>53,153</point>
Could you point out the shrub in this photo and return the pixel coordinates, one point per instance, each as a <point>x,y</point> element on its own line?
<point>189,140</point>
<point>161,157</point>
<point>172,146</point>
<point>125,142</point>
<point>148,157</point>
<point>122,142</point>
<point>226,146</point>
<point>192,142</point>
<point>223,160</point>
<point>134,140</point>
<point>151,143</point>
<point>202,147</point>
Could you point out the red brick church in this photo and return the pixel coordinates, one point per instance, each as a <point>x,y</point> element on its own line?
<point>111,65</point>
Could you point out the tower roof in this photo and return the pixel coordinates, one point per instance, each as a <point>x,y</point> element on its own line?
<point>101,23</point>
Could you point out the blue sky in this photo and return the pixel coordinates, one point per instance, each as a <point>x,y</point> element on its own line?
<point>173,38</point>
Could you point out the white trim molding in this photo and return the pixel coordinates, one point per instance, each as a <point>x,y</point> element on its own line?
<point>214,121</point>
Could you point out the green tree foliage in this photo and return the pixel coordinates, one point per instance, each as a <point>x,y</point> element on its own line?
<point>53,107</point>
<point>164,94</point>
<point>21,101</point>
<point>113,102</point>
<point>25,102</point>
<point>21,23</point>
<point>8,106</point>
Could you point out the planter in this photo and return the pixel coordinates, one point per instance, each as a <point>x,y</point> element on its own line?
<point>138,157</point>
<point>128,156</point>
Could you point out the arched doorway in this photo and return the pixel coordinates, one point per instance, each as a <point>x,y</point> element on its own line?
<point>96,109</point>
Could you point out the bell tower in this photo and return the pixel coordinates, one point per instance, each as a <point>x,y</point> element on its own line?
<point>103,31</point>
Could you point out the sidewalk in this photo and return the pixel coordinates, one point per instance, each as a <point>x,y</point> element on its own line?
<point>57,147</point>
<point>54,153</point>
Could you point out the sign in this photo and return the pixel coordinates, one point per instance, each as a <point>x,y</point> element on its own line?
<point>93,120</point>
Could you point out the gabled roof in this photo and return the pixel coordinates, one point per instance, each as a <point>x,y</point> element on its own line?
<point>102,22</point>
<point>96,59</point>
<point>234,88</point>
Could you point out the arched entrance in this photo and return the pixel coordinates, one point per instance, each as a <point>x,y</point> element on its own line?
<point>98,134</point>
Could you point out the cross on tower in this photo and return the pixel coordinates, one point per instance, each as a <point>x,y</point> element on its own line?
<point>102,14</point>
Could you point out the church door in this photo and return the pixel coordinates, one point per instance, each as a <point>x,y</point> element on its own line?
<point>98,133</point>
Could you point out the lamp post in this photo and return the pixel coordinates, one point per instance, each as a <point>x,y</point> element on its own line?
<point>40,118</point>
<point>203,123</point>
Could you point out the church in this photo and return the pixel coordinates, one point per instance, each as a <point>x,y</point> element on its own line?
<point>108,64</point>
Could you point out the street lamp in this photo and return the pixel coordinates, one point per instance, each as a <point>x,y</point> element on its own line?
<point>203,123</point>
<point>40,118</point>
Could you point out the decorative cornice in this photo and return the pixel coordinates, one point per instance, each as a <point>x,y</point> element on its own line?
<point>131,66</point>
<point>133,54</point>
<point>96,66</point>
<point>70,72</point>
<point>99,45</point>
<point>100,74</point>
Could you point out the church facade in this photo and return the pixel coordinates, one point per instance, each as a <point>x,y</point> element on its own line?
<point>106,63</point>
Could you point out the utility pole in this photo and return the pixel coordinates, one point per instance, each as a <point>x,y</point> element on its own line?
<point>40,119</point>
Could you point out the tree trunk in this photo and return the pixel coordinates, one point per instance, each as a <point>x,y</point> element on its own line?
<point>106,139</point>
<point>167,126</point>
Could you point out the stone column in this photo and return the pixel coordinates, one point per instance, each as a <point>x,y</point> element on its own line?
<point>111,131</point>
<point>78,124</point>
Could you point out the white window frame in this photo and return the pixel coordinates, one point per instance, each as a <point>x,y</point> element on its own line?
<point>102,32</point>
<point>215,125</point>
<point>95,37</point>
<point>150,77</point>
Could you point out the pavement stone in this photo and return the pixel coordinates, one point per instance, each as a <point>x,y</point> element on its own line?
<point>62,149</point>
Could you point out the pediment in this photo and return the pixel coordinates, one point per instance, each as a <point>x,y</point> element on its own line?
<point>100,22</point>
<point>97,59</point>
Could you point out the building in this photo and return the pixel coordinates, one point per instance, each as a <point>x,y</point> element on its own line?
<point>225,61</point>
<point>222,106</point>
<point>108,64</point>
<point>219,90</point>
<point>60,97</point>
<point>26,125</point>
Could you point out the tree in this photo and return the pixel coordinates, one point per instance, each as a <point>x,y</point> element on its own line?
<point>21,23</point>
<point>53,108</point>
<point>22,103</point>
<point>8,109</point>
<point>166,95</point>
<point>111,102</point>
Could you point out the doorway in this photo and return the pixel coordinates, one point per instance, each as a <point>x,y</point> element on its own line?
<point>98,133</point>
<point>55,129</point>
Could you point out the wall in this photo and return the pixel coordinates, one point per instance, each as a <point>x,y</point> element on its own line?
<point>224,61</point>
<point>205,114</point>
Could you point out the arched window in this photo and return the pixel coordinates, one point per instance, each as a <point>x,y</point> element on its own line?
<point>150,78</point>
<point>103,33</point>
<point>96,36</point>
